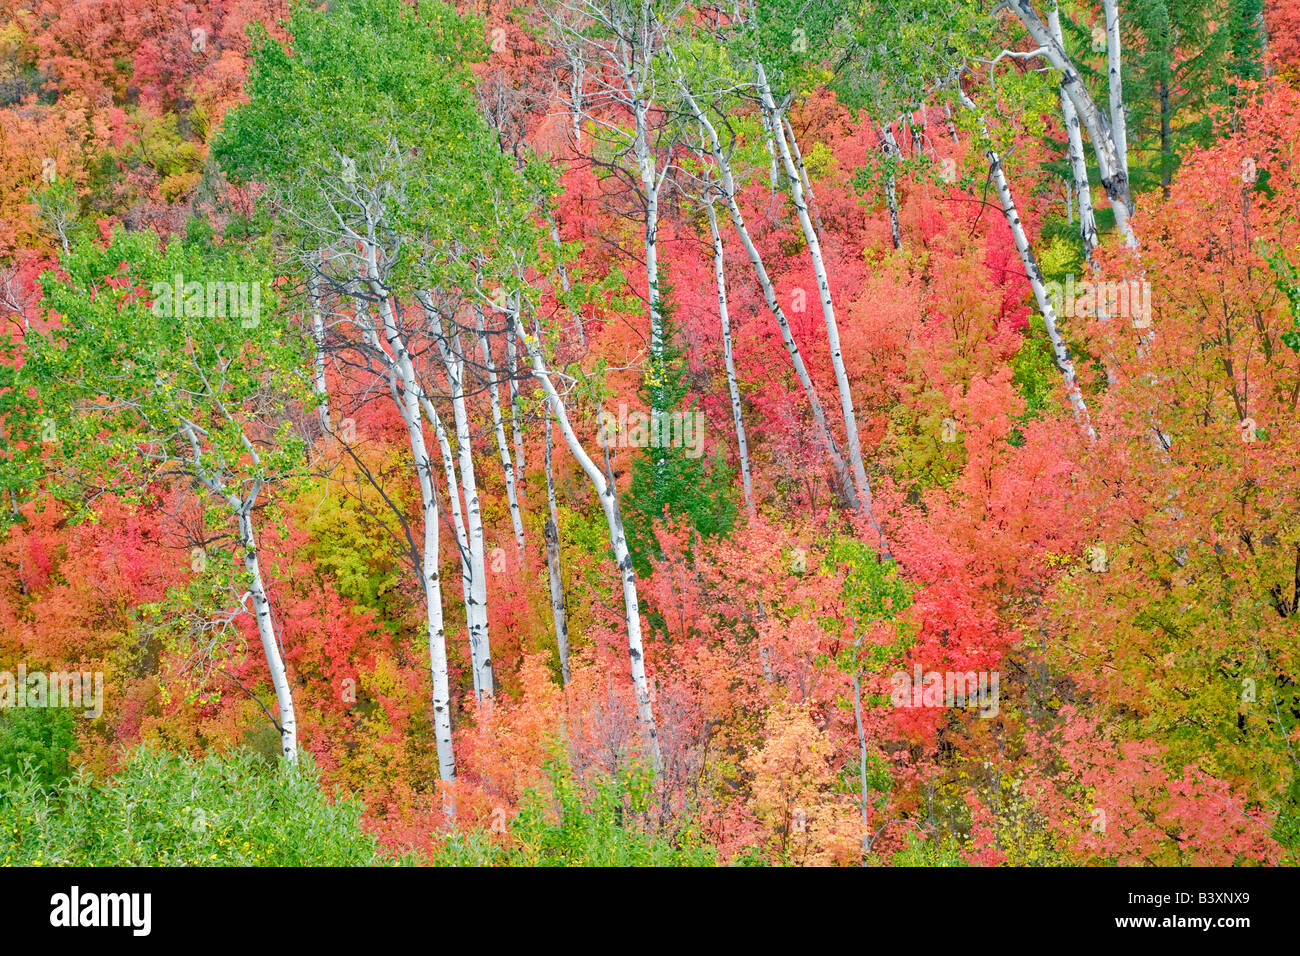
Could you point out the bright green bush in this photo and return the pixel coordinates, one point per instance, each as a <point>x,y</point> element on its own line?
<point>37,742</point>
<point>168,810</point>
<point>569,825</point>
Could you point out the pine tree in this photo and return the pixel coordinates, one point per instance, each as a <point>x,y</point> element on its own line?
<point>672,479</point>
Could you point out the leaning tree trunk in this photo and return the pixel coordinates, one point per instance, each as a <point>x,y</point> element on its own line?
<point>608,495</point>
<point>288,725</point>
<point>720,279</point>
<point>1060,352</point>
<point>843,478</point>
<point>861,486</point>
<point>1078,162</point>
<point>804,179</point>
<point>773,172</point>
<point>1110,163</point>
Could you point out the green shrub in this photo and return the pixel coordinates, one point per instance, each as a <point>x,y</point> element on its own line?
<point>168,810</point>
<point>570,826</point>
<point>38,742</point>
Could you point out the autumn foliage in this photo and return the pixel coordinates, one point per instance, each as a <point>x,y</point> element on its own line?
<point>1136,592</point>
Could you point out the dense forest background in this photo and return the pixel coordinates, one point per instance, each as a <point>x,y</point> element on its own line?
<point>606,431</point>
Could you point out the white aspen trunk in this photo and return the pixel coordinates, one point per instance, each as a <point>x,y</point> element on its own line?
<point>318,340</point>
<point>608,495</point>
<point>863,489</point>
<point>773,172</point>
<point>804,179</point>
<point>1114,179</point>
<point>1060,353</point>
<point>507,465</point>
<point>431,580</point>
<point>437,636</point>
<point>480,640</point>
<point>516,408</point>
<point>553,568</point>
<point>720,278</point>
<point>892,155</point>
<point>577,68</point>
<point>266,630</point>
<point>769,296</point>
<point>457,514</point>
<point>563,271</point>
<point>1079,169</point>
<point>408,407</point>
<point>1115,81</point>
<point>1078,162</point>
<point>476,604</point>
<point>948,121</point>
<point>650,186</point>
<point>457,518</point>
<point>1266,61</point>
<point>798,159</point>
<point>479,637</point>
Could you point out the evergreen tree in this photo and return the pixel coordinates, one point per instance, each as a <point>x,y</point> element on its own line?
<point>674,478</point>
<point>1173,52</point>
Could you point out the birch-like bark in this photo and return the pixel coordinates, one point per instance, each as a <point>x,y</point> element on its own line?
<point>1111,166</point>
<point>449,347</point>
<point>720,279</point>
<point>948,121</point>
<point>1079,170</point>
<point>266,630</point>
<point>773,170</point>
<point>650,184</point>
<point>452,484</point>
<point>860,484</point>
<point>402,369</point>
<point>457,515</point>
<point>608,496</point>
<point>804,178</point>
<point>1115,86</point>
<point>553,568</point>
<point>843,478</point>
<point>507,465</point>
<point>318,340</point>
<point>577,67</point>
<point>287,725</point>
<point>1060,352</point>
<point>892,155</point>
<point>516,407</point>
<point>1074,148</point>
